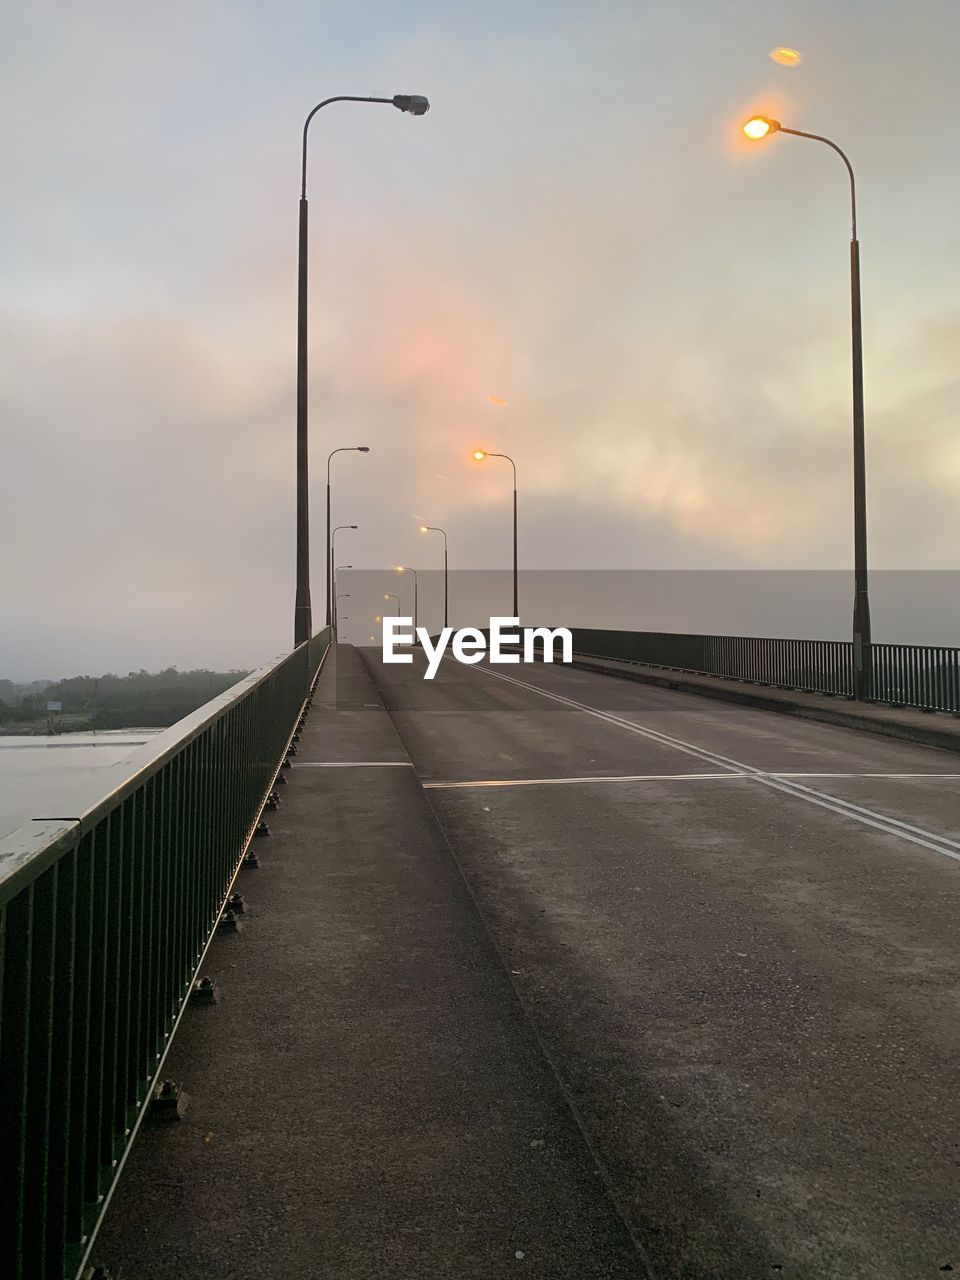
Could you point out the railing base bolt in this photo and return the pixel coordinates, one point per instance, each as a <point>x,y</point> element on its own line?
<point>262,829</point>
<point>229,923</point>
<point>169,1102</point>
<point>252,860</point>
<point>273,801</point>
<point>279,780</point>
<point>205,991</point>
<point>236,903</point>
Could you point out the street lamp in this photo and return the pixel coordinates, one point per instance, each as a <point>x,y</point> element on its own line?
<point>405,568</point>
<point>432,528</point>
<point>331,574</point>
<point>760,127</point>
<point>415,105</point>
<point>388,596</point>
<point>335,572</point>
<point>353,448</point>
<point>336,613</point>
<point>478,456</point>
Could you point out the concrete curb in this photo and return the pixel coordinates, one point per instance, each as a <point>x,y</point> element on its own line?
<point>805,706</point>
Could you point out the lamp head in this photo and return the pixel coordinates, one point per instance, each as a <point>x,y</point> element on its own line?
<point>413,103</point>
<point>424,529</point>
<point>363,448</point>
<point>478,455</point>
<point>758,127</point>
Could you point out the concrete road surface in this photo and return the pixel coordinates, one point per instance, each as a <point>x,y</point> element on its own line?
<point>736,936</point>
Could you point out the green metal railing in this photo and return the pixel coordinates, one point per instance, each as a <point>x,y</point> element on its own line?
<point>104,920</point>
<point>906,675</point>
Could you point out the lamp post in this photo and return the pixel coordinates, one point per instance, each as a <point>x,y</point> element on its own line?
<point>336,613</point>
<point>405,568</point>
<point>432,528</point>
<point>478,456</point>
<point>335,572</point>
<point>756,128</point>
<point>302,615</point>
<point>388,596</point>
<point>353,448</point>
<point>330,570</point>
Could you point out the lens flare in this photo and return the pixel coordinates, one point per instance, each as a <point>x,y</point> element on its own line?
<point>478,455</point>
<point>786,57</point>
<point>496,400</point>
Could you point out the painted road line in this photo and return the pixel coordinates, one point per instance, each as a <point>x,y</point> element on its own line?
<point>659,777</point>
<point>351,764</point>
<point>858,813</point>
<point>560,782</point>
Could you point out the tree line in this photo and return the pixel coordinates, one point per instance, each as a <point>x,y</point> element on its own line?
<point>138,700</point>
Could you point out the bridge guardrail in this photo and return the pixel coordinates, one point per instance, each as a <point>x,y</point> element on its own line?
<point>923,676</point>
<point>104,920</point>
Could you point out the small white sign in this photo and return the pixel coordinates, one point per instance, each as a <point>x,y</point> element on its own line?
<point>54,706</point>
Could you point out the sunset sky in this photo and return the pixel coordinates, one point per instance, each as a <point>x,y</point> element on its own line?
<point>577,228</point>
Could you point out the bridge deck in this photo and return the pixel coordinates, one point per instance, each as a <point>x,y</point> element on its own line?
<point>367,1099</point>
<point>733,934</point>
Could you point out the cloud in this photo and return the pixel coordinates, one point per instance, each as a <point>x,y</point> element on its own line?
<point>667,319</point>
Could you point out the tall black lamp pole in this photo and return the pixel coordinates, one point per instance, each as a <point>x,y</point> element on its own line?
<point>479,455</point>
<point>756,128</point>
<point>353,448</point>
<point>432,528</point>
<point>302,616</point>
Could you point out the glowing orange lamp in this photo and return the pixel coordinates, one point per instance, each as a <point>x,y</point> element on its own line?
<point>758,127</point>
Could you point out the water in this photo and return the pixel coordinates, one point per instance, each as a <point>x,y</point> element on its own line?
<point>46,776</point>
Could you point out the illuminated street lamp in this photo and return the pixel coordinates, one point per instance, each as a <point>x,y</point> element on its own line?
<point>756,128</point>
<point>415,105</point>
<point>405,568</point>
<point>432,528</point>
<point>479,455</point>
<point>353,448</point>
<point>388,596</point>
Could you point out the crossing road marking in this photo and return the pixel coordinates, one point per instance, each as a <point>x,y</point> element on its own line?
<point>846,809</point>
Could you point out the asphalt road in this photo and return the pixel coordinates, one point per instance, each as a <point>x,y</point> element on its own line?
<point>736,937</point>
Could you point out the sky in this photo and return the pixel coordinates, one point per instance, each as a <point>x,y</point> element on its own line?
<point>576,228</point>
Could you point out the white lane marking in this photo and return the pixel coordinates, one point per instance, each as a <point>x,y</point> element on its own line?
<point>868,817</point>
<point>557,782</point>
<point>351,764</point>
<point>777,774</point>
<point>663,777</point>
